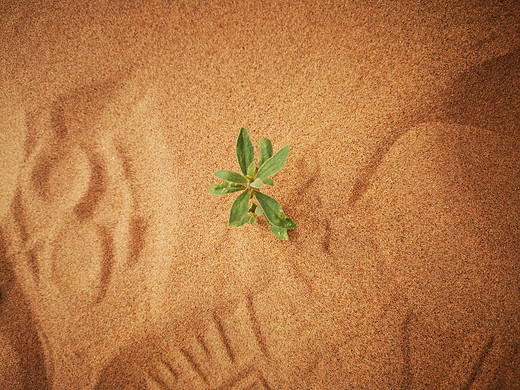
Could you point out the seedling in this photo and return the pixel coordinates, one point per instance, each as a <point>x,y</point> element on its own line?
<point>252,179</point>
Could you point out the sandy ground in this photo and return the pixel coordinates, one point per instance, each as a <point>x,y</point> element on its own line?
<point>117,269</point>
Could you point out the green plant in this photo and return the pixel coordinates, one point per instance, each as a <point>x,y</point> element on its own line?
<point>252,179</point>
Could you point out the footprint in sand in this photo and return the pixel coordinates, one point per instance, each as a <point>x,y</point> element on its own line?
<point>85,235</point>
<point>62,185</point>
<point>248,344</point>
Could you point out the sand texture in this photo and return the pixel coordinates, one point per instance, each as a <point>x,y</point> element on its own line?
<point>117,268</point>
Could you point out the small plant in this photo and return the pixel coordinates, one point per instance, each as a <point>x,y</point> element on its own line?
<point>252,179</point>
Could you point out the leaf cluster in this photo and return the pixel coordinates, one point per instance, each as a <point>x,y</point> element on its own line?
<point>253,178</point>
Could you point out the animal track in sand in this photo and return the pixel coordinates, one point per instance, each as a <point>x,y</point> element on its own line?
<point>74,189</point>
<point>244,343</point>
<point>85,230</point>
<point>222,350</point>
<point>55,214</point>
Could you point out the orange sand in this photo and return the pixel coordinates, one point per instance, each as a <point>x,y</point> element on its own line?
<point>117,269</point>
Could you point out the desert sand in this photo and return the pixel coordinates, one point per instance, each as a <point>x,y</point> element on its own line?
<point>117,268</point>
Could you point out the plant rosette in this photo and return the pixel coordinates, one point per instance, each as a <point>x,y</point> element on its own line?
<point>250,181</point>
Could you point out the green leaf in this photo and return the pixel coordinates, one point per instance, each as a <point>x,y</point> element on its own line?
<point>252,209</point>
<point>257,183</point>
<point>268,181</point>
<point>274,164</point>
<point>239,208</point>
<point>279,232</point>
<point>245,219</point>
<point>225,188</point>
<point>273,212</point>
<point>248,218</point>
<point>230,176</point>
<point>251,169</point>
<point>245,152</point>
<point>266,151</point>
<point>258,211</point>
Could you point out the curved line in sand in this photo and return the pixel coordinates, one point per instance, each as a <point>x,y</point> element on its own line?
<point>58,120</point>
<point>363,181</point>
<point>97,187</point>
<point>138,228</point>
<point>107,241</point>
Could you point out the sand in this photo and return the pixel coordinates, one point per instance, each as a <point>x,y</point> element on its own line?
<point>117,269</point>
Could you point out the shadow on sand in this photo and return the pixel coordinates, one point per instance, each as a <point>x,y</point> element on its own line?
<point>487,96</point>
